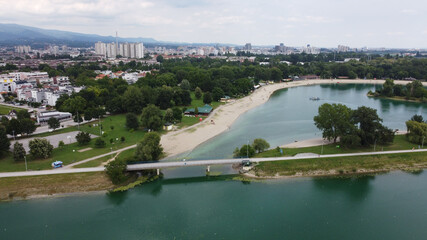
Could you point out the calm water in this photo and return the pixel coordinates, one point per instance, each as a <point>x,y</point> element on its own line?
<point>391,206</point>
<point>288,117</point>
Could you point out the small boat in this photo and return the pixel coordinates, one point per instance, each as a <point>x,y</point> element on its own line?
<point>314,98</point>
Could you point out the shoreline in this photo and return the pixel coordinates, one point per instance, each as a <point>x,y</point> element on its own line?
<point>186,139</point>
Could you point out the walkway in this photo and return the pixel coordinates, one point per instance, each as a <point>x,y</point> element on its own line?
<point>161,165</point>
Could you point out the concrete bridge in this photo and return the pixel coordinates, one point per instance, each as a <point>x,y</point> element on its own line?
<point>208,163</point>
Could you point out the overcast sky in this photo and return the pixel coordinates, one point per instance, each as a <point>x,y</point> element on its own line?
<point>322,23</point>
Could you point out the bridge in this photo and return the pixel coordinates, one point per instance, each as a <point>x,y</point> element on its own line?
<point>208,163</point>
<point>162,165</point>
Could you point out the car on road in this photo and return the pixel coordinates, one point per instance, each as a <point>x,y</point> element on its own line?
<point>57,164</point>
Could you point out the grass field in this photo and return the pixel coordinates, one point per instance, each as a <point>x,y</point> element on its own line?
<point>347,165</point>
<point>344,164</point>
<point>400,143</point>
<point>69,153</point>
<point>22,187</point>
<point>6,109</point>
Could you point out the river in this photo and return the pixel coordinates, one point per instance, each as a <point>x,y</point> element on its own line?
<point>388,206</point>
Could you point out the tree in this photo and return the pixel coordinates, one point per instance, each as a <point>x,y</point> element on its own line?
<point>88,114</point>
<point>246,151</point>
<point>132,121</point>
<point>116,171</point>
<point>177,113</point>
<point>23,114</point>
<point>14,127</point>
<point>168,115</point>
<point>160,58</point>
<point>196,111</point>
<point>133,100</point>
<point>217,94</point>
<point>276,74</point>
<point>417,118</point>
<point>61,144</point>
<point>417,131</point>
<point>207,98</point>
<point>74,105</point>
<point>149,149</point>
<point>40,148</point>
<point>4,140</point>
<point>198,93</point>
<point>83,138</point>
<point>185,85</point>
<point>53,123</point>
<point>18,151</point>
<point>99,143</point>
<point>260,145</point>
<point>334,120</point>
<point>151,117</point>
<point>369,124</point>
<point>28,126</point>
<point>388,88</point>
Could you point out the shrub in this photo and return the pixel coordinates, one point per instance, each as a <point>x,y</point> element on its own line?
<point>18,151</point>
<point>83,138</point>
<point>116,171</point>
<point>99,143</point>
<point>61,144</point>
<point>40,148</point>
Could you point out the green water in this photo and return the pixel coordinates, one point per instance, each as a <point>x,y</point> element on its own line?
<point>391,206</point>
<point>288,117</point>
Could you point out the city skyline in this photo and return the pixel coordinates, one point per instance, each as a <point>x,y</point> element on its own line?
<point>374,24</point>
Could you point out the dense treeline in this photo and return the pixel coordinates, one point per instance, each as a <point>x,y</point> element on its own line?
<point>413,89</point>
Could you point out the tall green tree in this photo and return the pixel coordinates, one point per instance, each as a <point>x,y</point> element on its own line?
<point>116,170</point>
<point>334,120</point>
<point>198,93</point>
<point>151,117</point>
<point>40,148</point>
<point>4,140</point>
<point>133,100</point>
<point>18,151</point>
<point>168,115</point>
<point>53,123</point>
<point>417,132</point>
<point>149,149</point>
<point>132,121</point>
<point>260,145</point>
<point>207,98</point>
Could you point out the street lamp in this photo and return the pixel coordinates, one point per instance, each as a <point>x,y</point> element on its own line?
<point>13,132</point>
<point>25,157</point>
<point>247,150</point>
<point>422,144</point>
<point>375,144</point>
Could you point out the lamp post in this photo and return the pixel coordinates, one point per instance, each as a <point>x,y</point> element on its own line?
<point>321,152</point>
<point>422,144</point>
<point>247,150</point>
<point>13,132</point>
<point>375,144</point>
<point>100,129</point>
<point>26,168</point>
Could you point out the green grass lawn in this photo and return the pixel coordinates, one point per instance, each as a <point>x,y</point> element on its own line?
<point>67,155</point>
<point>6,109</point>
<point>199,102</point>
<point>400,143</point>
<point>343,164</point>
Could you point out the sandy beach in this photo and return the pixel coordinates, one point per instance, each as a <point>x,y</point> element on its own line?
<point>186,139</point>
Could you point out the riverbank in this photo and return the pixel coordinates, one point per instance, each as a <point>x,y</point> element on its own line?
<point>397,98</point>
<point>223,117</point>
<point>316,167</point>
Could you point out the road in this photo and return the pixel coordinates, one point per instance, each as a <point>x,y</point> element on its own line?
<point>161,165</point>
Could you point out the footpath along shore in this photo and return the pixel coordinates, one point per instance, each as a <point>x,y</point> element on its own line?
<point>186,139</point>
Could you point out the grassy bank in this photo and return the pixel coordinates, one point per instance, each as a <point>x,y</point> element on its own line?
<point>4,110</point>
<point>344,165</point>
<point>23,187</point>
<point>400,143</point>
<point>399,98</point>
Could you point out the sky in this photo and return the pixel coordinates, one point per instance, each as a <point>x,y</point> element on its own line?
<point>321,23</point>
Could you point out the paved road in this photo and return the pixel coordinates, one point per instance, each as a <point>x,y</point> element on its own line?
<point>161,165</point>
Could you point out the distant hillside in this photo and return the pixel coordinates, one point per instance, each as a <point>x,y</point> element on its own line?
<point>19,34</point>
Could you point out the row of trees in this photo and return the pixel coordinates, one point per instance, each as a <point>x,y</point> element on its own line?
<point>22,124</point>
<point>413,89</point>
<point>360,127</point>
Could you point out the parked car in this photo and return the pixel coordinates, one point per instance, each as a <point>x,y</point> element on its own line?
<point>57,164</point>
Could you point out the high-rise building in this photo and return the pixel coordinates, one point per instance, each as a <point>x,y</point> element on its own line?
<point>22,49</point>
<point>248,47</point>
<point>111,50</point>
<point>101,48</point>
<point>342,48</point>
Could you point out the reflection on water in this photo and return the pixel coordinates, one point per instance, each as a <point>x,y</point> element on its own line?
<point>356,188</point>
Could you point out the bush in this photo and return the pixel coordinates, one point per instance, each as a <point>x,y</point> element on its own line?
<point>83,138</point>
<point>61,144</point>
<point>40,148</point>
<point>132,121</point>
<point>260,144</point>
<point>99,143</point>
<point>18,151</point>
<point>122,139</point>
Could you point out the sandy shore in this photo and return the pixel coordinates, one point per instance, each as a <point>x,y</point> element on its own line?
<point>186,139</point>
